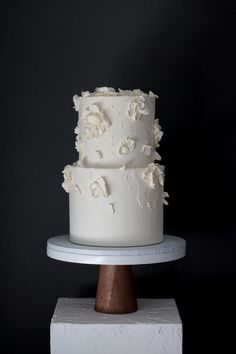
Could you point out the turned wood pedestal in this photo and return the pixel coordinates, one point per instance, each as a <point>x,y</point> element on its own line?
<point>115,290</point>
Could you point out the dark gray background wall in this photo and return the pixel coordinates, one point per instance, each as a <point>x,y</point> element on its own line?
<point>185,52</point>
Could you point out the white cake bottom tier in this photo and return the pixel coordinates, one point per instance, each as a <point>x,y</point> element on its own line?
<point>114,207</point>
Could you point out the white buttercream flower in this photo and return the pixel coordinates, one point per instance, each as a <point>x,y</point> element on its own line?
<point>85,93</point>
<point>68,183</point>
<point>165,195</point>
<point>79,145</point>
<point>157,133</point>
<point>68,178</point>
<point>99,188</point>
<point>152,94</point>
<point>95,121</point>
<point>127,145</point>
<point>105,91</point>
<point>138,108</point>
<point>153,175</point>
<point>146,149</point>
<point>76,102</point>
<point>76,130</point>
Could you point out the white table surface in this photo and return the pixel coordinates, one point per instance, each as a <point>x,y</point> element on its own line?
<point>171,249</point>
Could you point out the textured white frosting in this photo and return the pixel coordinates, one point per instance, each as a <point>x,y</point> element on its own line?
<point>110,91</point>
<point>116,187</point>
<point>107,122</point>
<point>115,207</point>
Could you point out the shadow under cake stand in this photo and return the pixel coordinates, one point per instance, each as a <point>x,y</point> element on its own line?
<point>115,289</point>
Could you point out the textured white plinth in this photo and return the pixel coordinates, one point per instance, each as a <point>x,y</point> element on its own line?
<point>77,329</point>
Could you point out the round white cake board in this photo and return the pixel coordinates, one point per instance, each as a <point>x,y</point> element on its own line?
<point>171,249</point>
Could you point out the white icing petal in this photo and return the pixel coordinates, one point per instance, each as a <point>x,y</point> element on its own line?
<point>95,121</point>
<point>94,109</point>
<point>66,187</point>
<point>76,130</point>
<point>68,183</point>
<point>146,149</point>
<point>67,172</point>
<point>156,156</point>
<point>79,146</point>
<point>99,188</point>
<point>76,102</point>
<point>127,145</point>
<point>85,93</point>
<point>153,175</point>
<point>157,133</point>
<point>111,208</point>
<point>137,108</point>
<point>99,154</point>
<point>105,91</point>
<point>152,94</point>
<point>77,188</point>
<point>165,195</point>
<point>68,178</point>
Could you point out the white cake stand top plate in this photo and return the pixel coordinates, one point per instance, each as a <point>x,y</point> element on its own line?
<point>171,249</point>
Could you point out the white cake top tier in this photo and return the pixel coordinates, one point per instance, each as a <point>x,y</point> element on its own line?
<point>116,128</point>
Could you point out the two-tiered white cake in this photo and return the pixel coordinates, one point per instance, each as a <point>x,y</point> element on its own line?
<point>116,187</point>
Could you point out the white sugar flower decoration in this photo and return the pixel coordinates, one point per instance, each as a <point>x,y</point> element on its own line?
<point>76,130</point>
<point>105,91</point>
<point>157,133</point>
<point>153,175</point>
<point>76,102</point>
<point>138,108</point>
<point>126,146</point>
<point>95,121</point>
<point>85,93</point>
<point>68,183</point>
<point>99,188</point>
<point>68,179</point>
<point>165,195</point>
<point>152,94</point>
<point>147,150</point>
<point>79,145</point>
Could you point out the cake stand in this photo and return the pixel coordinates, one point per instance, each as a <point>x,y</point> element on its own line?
<point>115,290</point>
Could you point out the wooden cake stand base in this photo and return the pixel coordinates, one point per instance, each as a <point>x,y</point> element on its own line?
<point>115,290</point>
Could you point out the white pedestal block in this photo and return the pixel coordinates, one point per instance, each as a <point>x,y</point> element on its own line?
<point>77,329</point>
